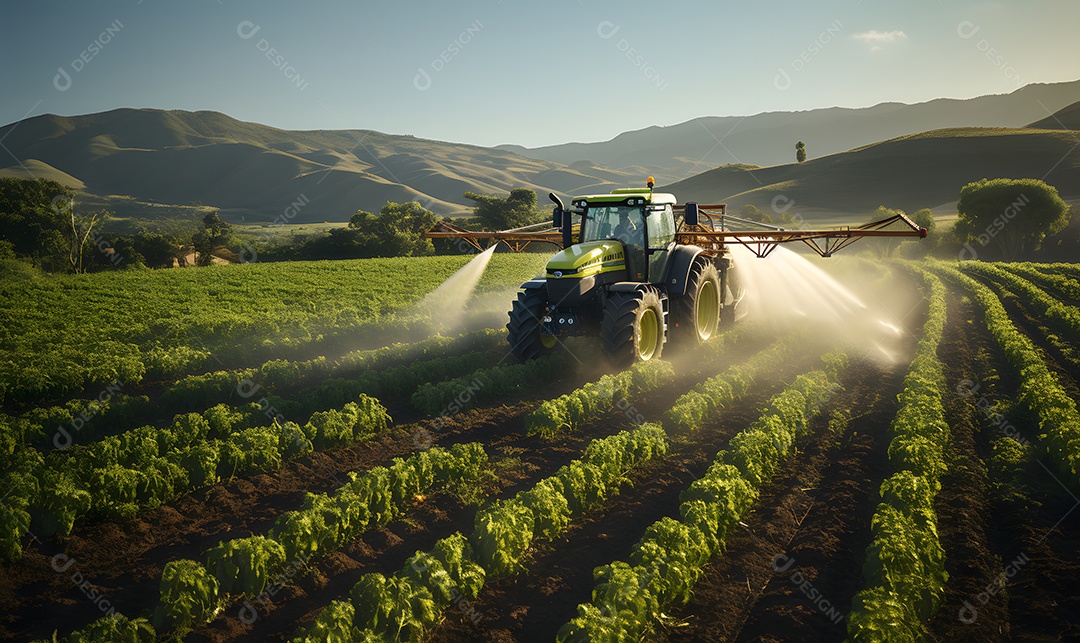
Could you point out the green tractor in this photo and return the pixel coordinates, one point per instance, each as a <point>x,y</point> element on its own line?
<point>623,275</point>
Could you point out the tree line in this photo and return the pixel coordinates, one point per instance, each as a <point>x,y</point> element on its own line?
<point>40,225</point>
<point>998,219</point>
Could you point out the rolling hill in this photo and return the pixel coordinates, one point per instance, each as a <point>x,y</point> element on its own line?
<point>923,170</point>
<point>254,171</point>
<point>678,151</point>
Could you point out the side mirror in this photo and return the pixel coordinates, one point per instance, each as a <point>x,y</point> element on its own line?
<point>556,217</point>
<point>691,217</point>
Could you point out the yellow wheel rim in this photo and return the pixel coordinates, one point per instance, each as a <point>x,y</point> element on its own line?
<point>708,311</point>
<point>649,327</point>
<point>548,341</point>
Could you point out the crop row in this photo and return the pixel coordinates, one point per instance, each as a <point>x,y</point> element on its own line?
<point>404,606</point>
<point>192,593</point>
<point>448,397</point>
<point>591,401</point>
<point>1038,274</point>
<point>905,562</point>
<point>1066,318</point>
<point>629,597</point>
<point>1070,270</point>
<point>81,421</point>
<point>164,323</point>
<point>705,400</point>
<point>1040,389</point>
<point>118,475</point>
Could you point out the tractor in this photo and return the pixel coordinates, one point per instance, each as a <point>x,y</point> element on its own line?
<point>640,270</point>
<point>625,278</point>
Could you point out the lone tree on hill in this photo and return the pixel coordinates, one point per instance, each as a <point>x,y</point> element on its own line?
<point>800,151</point>
<point>1013,215</point>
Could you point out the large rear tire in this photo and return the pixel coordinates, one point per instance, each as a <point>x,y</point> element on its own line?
<point>633,328</point>
<point>697,313</point>
<point>526,319</point>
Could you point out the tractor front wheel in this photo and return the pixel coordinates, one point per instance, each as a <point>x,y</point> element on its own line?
<point>633,326</point>
<point>526,320</point>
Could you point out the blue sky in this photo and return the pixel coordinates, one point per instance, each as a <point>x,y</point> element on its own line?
<point>531,73</point>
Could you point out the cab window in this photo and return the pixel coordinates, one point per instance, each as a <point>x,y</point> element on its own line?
<point>661,226</point>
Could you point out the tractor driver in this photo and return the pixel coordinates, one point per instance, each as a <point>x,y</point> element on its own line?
<point>626,229</point>
<point>630,231</point>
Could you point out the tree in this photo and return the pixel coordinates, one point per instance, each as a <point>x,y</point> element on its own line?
<point>397,231</point>
<point>31,223</point>
<point>79,231</point>
<point>504,213</point>
<point>925,219</point>
<point>1015,215</point>
<point>215,233</point>
<point>883,247</point>
<point>800,151</point>
<point>751,212</point>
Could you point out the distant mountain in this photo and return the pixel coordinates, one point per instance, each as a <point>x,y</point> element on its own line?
<point>920,171</point>
<point>252,170</point>
<point>679,151</point>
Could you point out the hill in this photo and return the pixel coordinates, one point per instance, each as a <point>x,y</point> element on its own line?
<point>678,151</point>
<point>1067,118</point>
<point>919,171</point>
<point>254,171</point>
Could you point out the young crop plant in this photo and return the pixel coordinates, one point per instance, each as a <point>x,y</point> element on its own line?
<point>1064,317</point>
<point>145,468</point>
<point>192,594</point>
<point>905,562</point>
<point>1035,273</point>
<point>590,402</point>
<point>485,385</point>
<point>629,597</point>
<point>276,307</point>
<point>1040,389</point>
<point>695,407</point>
<point>405,606</point>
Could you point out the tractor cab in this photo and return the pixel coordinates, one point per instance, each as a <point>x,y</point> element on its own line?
<point>641,220</point>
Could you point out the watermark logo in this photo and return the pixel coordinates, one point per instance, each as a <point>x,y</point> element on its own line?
<point>1000,222</point>
<point>247,30</point>
<point>783,79</point>
<point>969,389</point>
<point>61,563</point>
<point>63,439</point>
<point>422,80</point>
<point>62,81</point>
<point>607,30</point>
<point>969,613</point>
<point>249,613</point>
<point>781,563</point>
<point>967,30</point>
<point>422,437</point>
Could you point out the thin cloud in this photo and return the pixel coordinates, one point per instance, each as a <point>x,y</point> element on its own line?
<point>876,37</point>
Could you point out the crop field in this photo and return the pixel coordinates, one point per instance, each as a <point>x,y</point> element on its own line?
<point>337,451</point>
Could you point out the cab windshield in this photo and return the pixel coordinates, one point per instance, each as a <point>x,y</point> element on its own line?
<point>622,222</point>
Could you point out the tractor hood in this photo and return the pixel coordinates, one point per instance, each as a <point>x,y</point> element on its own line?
<point>587,259</point>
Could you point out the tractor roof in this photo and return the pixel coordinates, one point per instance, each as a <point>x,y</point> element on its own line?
<point>619,195</point>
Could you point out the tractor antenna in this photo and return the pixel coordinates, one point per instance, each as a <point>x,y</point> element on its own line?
<point>649,182</point>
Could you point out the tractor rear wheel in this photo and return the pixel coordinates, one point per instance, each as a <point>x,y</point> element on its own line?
<point>526,320</point>
<point>633,326</point>
<point>697,313</point>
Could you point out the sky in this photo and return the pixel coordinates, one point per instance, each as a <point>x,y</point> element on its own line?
<point>490,72</point>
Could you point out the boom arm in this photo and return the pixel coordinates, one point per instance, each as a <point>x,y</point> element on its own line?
<point>764,239</point>
<point>712,232</point>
